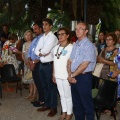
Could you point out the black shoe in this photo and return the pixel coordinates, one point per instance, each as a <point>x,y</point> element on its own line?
<point>38,104</point>
<point>36,101</point>
<point>118,99</point>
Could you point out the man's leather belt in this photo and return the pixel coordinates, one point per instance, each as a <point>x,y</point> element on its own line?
<point>47,63</point>
<point>86,72</point>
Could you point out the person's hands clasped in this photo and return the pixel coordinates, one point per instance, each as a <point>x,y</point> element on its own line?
<point>72,80</point>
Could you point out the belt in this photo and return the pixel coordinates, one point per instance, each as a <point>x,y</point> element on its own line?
<point>86,72</point>
<point>47,63</point>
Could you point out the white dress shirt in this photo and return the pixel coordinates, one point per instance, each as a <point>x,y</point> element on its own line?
<point>45,45</point>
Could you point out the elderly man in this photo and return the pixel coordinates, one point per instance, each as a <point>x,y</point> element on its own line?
<point>80,66</point>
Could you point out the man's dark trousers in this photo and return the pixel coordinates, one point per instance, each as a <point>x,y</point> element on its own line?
<point>82,98</point>
<point>50,89</point>
<point>37,81</point>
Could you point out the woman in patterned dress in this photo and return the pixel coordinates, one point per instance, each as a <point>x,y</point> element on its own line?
<point>8,54</point>
<point>107,57</point>
<point>28,36</point>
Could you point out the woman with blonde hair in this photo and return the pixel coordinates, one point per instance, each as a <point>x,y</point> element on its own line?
<point>27,79</point>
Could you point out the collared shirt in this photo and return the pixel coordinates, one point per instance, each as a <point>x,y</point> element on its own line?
<point>31,51</point>
<point>82,51</point>
<point>45,45</point>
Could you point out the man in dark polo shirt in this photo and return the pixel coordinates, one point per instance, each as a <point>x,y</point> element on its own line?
<point>4,35</point>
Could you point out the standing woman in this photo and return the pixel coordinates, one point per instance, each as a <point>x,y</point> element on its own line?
<point>61,55</point>
<point>107,56</point>
<point>101,42</point>
<point>28,36</point>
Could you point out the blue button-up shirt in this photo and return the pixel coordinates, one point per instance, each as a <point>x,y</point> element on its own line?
<point>83,50</point>
<point>32,47</point>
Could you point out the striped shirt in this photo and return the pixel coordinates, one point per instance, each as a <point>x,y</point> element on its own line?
<point>82,51</point>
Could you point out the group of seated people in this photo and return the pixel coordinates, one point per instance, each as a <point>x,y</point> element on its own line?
<point>108,49</point>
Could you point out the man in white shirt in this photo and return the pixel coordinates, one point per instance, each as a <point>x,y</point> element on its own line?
<point>43,49</point>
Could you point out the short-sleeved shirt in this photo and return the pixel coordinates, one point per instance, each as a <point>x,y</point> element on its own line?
<point>60,65</point>
<point>82,51</point>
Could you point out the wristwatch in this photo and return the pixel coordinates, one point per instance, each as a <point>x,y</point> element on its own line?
<point>71,76</point>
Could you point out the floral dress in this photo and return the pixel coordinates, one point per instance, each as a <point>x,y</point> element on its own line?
<point>26,68</point>
<point>7,54</point>
<point>108,55</point>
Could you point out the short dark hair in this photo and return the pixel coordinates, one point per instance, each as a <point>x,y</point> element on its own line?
<point>67,32</point>
<point>12,36</point>
<point>104,32</point>
<point>112,34</point>
<point>39,24</point>
<point>6,25</point>
<point>48,20</point>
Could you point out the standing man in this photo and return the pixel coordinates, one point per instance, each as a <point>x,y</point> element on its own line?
<point>80,66</point>
<point>4,34</point>
<point>43,49</point>
<point>34,62</point>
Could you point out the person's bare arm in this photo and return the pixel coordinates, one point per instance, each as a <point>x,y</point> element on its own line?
<point>104,61</point>
<point>80,68</point>
<point>69,67</point>
<point>70,78</point>
<point>53,75</point>
<point>115,73</point>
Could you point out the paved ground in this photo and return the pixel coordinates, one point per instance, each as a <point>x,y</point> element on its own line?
<point>15,107</point>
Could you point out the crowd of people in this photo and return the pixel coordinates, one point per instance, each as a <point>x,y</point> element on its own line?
<point>53,66</point>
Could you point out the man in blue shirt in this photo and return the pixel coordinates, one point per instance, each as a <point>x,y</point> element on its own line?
<point>80,66</point>
<point>34,62</point>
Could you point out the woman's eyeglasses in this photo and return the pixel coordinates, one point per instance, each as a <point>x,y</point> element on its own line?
<point>61,34</point>
<point>109,39</point>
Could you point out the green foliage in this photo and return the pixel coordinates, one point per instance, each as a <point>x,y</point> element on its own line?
<point>14,13</point>
<point>110,15</point>
<point>60,19</point>
<point>20,18</point>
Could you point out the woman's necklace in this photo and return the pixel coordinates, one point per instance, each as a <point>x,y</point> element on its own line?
<point>59,54</point>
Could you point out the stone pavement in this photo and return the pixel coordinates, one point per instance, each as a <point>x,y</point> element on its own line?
<point>15,107</point>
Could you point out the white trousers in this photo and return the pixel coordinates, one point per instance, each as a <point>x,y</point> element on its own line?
<point>64,89</point>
